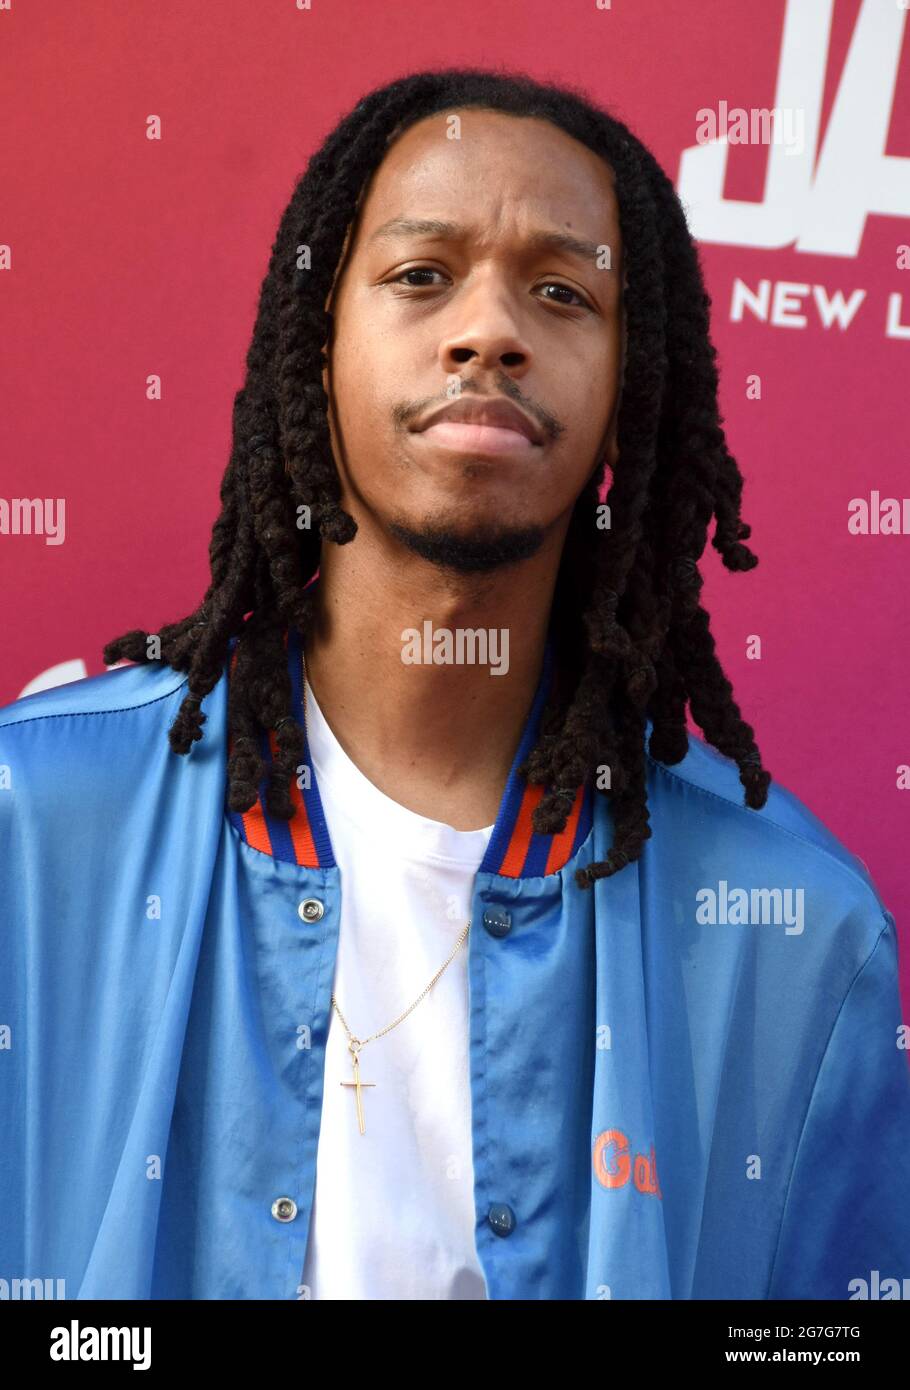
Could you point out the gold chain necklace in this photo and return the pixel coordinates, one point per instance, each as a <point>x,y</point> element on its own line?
<point>355,1045</point>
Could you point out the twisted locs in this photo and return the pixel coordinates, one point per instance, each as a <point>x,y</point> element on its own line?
<point>633,640</point>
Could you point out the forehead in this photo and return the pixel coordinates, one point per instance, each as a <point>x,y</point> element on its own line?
<point>495,174</point>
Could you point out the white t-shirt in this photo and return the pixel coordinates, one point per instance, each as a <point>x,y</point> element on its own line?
<point>393,1216</point>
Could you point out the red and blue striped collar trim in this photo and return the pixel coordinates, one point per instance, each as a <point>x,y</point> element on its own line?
<point>304,839</point>
<point>515,849</point>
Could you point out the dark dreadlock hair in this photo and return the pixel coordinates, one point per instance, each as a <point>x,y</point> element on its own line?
<point>633,640</point>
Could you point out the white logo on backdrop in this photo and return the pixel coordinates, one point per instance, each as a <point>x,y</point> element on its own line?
<point>815,199</point>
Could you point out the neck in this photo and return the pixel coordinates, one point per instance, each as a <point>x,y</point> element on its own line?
<point>437,737</point>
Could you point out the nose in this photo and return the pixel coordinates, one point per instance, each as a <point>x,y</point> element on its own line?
<point>486,332</point>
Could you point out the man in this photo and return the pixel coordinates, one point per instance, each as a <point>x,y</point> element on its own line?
<point>629,1015</point>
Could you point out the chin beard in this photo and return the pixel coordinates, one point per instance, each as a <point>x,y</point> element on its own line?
<point>488,548</point>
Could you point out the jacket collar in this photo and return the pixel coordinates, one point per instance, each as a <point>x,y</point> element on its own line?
<point>515,850</point>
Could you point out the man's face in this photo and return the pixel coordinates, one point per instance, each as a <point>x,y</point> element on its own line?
<point>423,317</point>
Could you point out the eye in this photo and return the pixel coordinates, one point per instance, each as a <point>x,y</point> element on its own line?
<point>400,279</point>
<point>414,270</point>
<point>567,289</point>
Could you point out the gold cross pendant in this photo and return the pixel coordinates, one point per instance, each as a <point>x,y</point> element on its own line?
<point>354,1047</point>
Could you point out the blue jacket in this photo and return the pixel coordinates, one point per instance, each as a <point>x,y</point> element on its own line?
<point>687,1082</point>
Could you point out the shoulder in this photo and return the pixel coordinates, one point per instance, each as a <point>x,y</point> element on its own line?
<point>86,743</point>
<point>783,842</point>
<point>122,688</point>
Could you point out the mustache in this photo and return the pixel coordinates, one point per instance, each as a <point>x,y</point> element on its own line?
<point>406,414</point>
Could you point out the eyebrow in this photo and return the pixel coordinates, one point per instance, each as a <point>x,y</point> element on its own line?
<point>540,240</point>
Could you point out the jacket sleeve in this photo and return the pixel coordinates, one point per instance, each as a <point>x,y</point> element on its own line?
<point>845,1228</point>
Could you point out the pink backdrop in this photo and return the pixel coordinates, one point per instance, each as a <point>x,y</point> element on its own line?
<point>130,257</point>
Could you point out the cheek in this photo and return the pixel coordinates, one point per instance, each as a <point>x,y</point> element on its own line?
<point>340,380</point>
<point>359,359</point>
<point>588,376</point>
<point>597,392</point>
<point>359,407</point>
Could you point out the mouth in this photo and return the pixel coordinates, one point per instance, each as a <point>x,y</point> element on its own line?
<point>490,426</point>
<point>463,437</point>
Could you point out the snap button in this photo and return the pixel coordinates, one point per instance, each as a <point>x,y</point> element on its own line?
<point>311,909</point>
<point>497,921</point>
<point>502,1219</point>
<point>284,1209</point>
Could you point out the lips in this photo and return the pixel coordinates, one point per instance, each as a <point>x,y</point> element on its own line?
<point>494,413</point>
